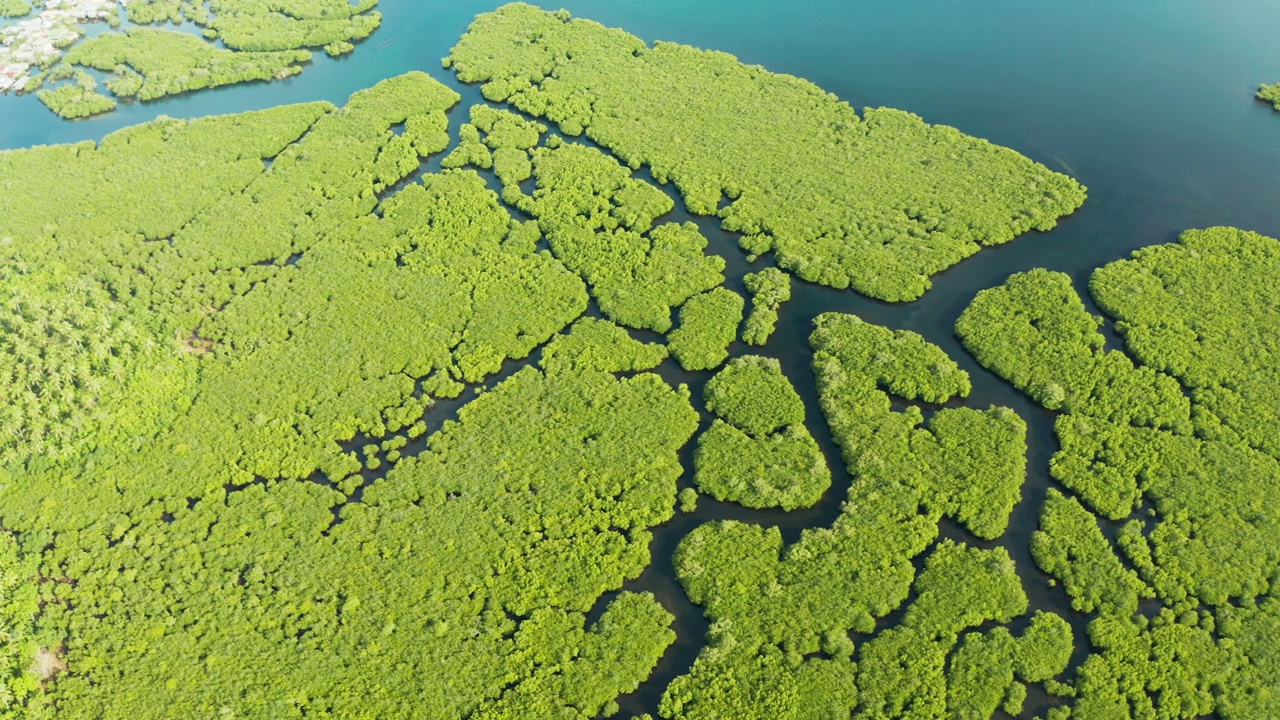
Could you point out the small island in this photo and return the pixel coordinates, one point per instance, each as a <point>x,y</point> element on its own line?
<point>1271,94</point>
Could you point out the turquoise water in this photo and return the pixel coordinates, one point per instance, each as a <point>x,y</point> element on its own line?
<point>1147,103</point>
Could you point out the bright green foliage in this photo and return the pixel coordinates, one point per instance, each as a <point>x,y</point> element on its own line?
<point>79,307</point>
<point>257,26</point>
<point>769,288</point>
<point>784,469</point>
<point>600,345</point>
<point>1185,603</point>
<point>965,463</point>
<point>326,181</point>
<point>1182,666</point>
<point>19,649</point>
<point>1035,332</point>
<point>64,341</point>
<point>779,644</point>
<point>505,132</point>
<point>708,324</point>
<point>688,498</point>
<point>1170,668</point>
<point>505,148</point>
<point>902,363</point>
<point>774,670</point>
<point>430,288</point>
<point>758,453</point>
<point>1254,631</point>
<point>607,661</point>
<point>74,101</point>
<point>1271,94</point>
<point>79,99</point>
<point>471,151</point>
<point>597,218</point>
<point>1214,540</point>
<point>771,606</point>
<point>14,8</point>
<point>471,565</point>
<point>902,672</point>
<point>877,203</point>
<point>260,40</point>
<point>173,62</point>
<point>149,12</point>
<point>339,47</point>
<point>215,352</point>
<point>1044,649</point>
<point>752,394</point>
<point>788,596</point>
<point>1070,546</point>
<point>1203,310</point>
<point>599,221</point>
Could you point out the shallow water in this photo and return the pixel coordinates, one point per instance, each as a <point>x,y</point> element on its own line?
<point>1146,102</point>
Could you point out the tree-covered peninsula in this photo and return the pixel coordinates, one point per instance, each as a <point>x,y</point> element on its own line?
<point>877,203</point>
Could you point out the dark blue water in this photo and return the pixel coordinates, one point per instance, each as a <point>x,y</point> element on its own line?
<point>1148,103</point>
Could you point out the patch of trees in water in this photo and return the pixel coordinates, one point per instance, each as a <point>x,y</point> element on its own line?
<point>1271,94</point>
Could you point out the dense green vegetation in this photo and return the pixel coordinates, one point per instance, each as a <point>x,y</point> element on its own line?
<point>1034,331</point>
<point>769,288</point>
<point>261,40</point>
<point>261,25</point>
<point>1212,326</point>
<point>258,343</point>
<point>153,12</point>
<point>222,343</point>
<point>965,463</point>
<point>780,644</point>
<point>1177,448</point>
<point>151,64</point>
<point>598,220</point>
<point>758,451</point>
<point>14,8</point>
<point>708,324</point>
<point>877,203</point>
<point>79,305</point>
<point>1271,94</point>
<point>600,345</point>
<point>78,99</point>
<point>19,649</point>
<point>755,670</point>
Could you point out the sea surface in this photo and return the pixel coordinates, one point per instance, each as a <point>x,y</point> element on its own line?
<point>1147,102</point>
